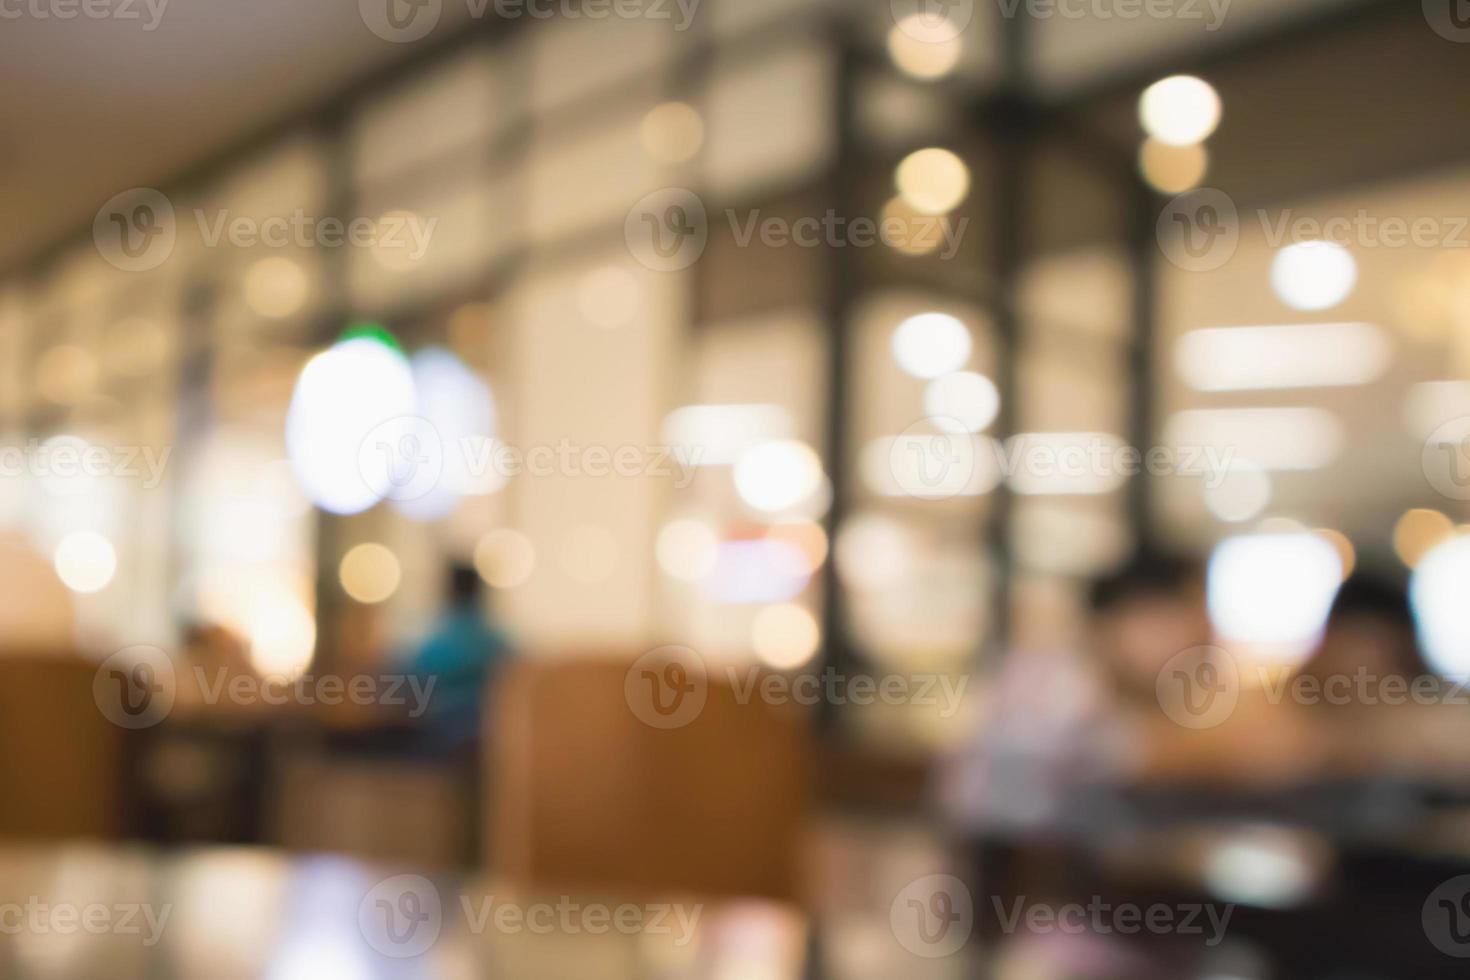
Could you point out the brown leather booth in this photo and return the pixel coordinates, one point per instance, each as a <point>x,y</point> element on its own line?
<point>586,796</point>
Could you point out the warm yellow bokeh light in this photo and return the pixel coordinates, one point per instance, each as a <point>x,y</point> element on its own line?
<point>924,47</point>
<point>1345,551</point>
<point>1417,532</point>
<point>370,573</point>
<point>505,558</point>
<point>932,180</point>
<point>672,132</point>
<point>1173,169</point>
<point>276,287</point>
<point>910,231</point>
<point>785,637</point>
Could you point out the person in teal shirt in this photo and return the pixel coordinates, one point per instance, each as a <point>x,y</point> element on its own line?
<point>460,656</point>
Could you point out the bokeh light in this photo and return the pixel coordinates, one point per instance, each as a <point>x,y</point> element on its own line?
<point>1180,110</point>
<point>932,180</point>
<point>928,345</point>
<point>1173,169</point>
<point>1272,592</point>
<point>1314,275</point>
<point>85,561</point>
<point>778,476</point>
<point>672,132</point>
<point>961,402</point>
<point>505,558</point>
<point>925,47</point>
<point>276,287</point>
<point>370,572</point>
<point>785,636</point>
<point>342,395</point>
<point>1417,532</point>
<point>1437,590</point>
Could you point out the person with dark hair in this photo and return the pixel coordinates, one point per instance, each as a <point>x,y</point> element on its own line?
<point>1380,707</point>
<point>1053,718</point>
<point>460,656</point>
<point>1370,632</point>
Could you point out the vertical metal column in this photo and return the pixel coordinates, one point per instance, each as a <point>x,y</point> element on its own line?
<point>1011,119</point>
<point>1143,258</point>
<point>838,652</point>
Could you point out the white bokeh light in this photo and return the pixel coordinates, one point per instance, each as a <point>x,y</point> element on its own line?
<point>85,561</point>
<point>1242,492</point>
<point>460,407</point>
<point>342,395</point>
<point>1273,591</point>
<point>928,345</point>
<point>961,402</point>
<point>1179,110</point>
<point>778,476</point>
<point>1437,591</point>
<point>1313,275</point>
